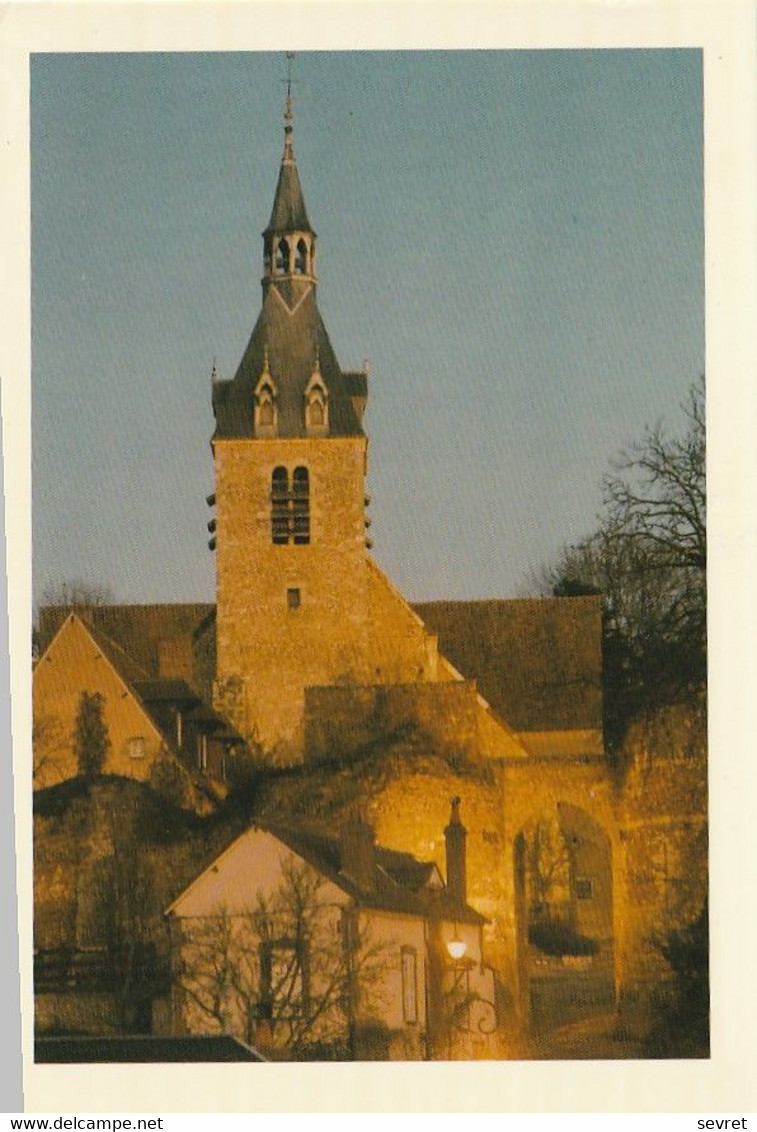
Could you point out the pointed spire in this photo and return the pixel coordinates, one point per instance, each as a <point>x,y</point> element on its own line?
<point>289,213</point>
<point>288,158</point>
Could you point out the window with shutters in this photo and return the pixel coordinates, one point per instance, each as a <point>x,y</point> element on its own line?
<point>290,507</point>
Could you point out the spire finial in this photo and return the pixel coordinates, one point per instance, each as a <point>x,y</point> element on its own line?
<point>289,112</point>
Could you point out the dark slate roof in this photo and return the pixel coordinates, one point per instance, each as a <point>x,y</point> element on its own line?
<point>165,691</point>
<point>126,667</point>
<point>294,337</point>
<point>356,383</point>
<point>200,1047</point>
<point>538,661</point>
<point>289,213</point>
<point>136,629</point>
<point>398,882</point>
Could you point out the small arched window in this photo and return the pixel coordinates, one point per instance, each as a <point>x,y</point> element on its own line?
<point>301,258</point>
<point>280,506</point>
<point>301,506</point>
<point>282,257</point>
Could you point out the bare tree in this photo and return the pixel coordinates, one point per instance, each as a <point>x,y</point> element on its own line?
<point>74,594</point>
<point>548,866</point>
<point>51,746</point>
<point>294,975</point>
<point>648,560</point>
<point>656,493</point>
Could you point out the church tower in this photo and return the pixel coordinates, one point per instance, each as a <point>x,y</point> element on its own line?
<point>290,530</point>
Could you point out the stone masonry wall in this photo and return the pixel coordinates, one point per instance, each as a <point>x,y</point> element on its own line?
<point>341,721</point>
<point>276,650</point>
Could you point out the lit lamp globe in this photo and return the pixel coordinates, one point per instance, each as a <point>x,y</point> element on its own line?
<point>457,948</point>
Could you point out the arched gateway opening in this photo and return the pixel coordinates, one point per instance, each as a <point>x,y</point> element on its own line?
<point>564,915</point>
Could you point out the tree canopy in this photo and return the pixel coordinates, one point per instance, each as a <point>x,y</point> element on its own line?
<point>648,559</point>
<point>91,739</point>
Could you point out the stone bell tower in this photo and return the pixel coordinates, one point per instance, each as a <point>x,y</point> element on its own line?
<point>290,462</point>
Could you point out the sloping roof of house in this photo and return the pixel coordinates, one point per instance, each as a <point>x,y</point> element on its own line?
<point>537,661</point>
<point>167,690</point>
<point>399,879</point>
<point>136,629</point>
<point>148,693</point>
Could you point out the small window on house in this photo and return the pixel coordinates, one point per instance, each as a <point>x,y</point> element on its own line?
<point>293,599</point>
<point>284,979</point>
<point>137,747</point>
<point>584,888</point>
<point>409,985</point>
<point>202,752</point>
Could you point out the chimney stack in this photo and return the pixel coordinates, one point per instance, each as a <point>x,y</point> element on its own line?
<point>358,853</point>
<point>455,836</point>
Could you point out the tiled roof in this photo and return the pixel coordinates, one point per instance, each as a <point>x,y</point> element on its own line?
<point>166,691</point>
<point>136,629</point>
<point>356,383</point>
<point>398,878</point>
<point>538,661</point>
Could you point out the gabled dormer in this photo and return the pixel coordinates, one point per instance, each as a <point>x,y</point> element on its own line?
<point>266,403</point>
<point>316,404</point>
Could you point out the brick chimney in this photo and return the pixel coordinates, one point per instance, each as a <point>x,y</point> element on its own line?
<point>455,835</point>
<point>358,853</point>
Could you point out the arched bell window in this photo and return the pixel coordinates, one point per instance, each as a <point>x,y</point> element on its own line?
<point>301,506</point>
<point>282,257</point>
<point>280,506</point>
<point>290,507</point>
<point>301,258</point>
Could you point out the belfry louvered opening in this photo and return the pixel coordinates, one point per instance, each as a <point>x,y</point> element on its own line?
<point>290,507</point>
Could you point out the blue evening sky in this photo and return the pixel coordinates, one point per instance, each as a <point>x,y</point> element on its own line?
<point>513,238</point>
